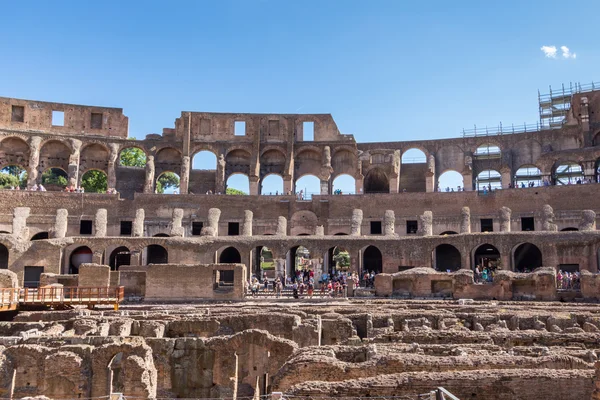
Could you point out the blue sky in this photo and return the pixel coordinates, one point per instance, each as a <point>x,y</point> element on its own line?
<point>385,70</point>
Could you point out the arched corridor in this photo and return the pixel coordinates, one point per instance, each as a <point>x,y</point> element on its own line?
<point>446,258</point>
<point>119,256</point>
<point>372,260</point>
<point>80,255</point>
<point>3,257</point>
<point>156,254</point>
<point>527,257</point>
<point>230,256</point>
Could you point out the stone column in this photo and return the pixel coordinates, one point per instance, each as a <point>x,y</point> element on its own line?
<point>112,162</point>
<point>184,182</point>
<point>138,222</point>
<point>588,221</point>
<point>247,227</point>
<point>34,160</point>
<point>430,174</point>
<point>281,226</point>
<point>548,224</point>
<point>60,224</point>
<point>358,185</point>
<point>288,184</point>
<point>389,223</point>
<point>465,220</point>
<point>101,222</point>
<point>426,224</point>
<point>19,223</point>
<point>467,181</point>
<point>505,214</point>
<point>324,187</point>
<point>319,230</point>
<point>506,174</point>
<point>74,163</point>
<point>356,222</point>
<point>177,229</point>
<point>254,185</point>
<point>149,182</point>
<point>212,229</point>
<point>589,171</point>
<point>220,177</point>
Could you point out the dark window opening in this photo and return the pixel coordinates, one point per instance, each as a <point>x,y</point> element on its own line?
<point>126,227</point>
<point>376,228</point>
<point>96,122</point>
<point>31,276</point>
<point>18,114</point>
<point>487,225</point>
<point>527,224</point>
<point>197,228</point>
<point>412,227</point>
<point>233,228</point>
<point>85,227</point>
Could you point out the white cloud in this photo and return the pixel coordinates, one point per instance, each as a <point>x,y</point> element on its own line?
<point>549,51</point>
<point>566,53</point>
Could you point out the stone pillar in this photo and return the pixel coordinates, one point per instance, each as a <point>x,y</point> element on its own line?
<point>356,223</point>
<point>319,230</point>
<point>112,162</point>
<point>506,176</point>
<point>426,225</point>
<point>324,187</point>
<point>465,220</point>
<point>467,181</point>
<point>430,174</point>
<point>254,185</point>
<point>288,184</point>
<point>138,222</point>
<point>389,223</point>
<point>505,214</point>
<point>177,229</point>
<point>358,185</point>
<point>184,181</point>
<point>136,257</point>
<point>60,224</point>
<point>19,223</point>
<point>589,171</point>
<point>548,224</point>
<point>34,160</point>
<point>281,226</point>
<point>100,222</point>
<point>149,181</point>
<point>212,229</point>
<point>74,163</point>
<point>588,221</point>
<point>247,227</point>
<point>220,178</point>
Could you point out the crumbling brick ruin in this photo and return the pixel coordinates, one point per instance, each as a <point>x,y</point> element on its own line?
<point>479,338</point>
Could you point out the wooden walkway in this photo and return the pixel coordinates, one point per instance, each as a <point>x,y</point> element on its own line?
<point>12,299</point>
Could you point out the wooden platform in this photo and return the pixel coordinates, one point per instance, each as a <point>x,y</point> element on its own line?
<point>50,296</point>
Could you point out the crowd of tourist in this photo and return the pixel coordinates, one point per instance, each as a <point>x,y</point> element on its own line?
<point>34,188</point>
<point>568,280</point>
<point>484,274</point>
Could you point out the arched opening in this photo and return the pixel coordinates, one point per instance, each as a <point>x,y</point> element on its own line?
<point>487,151</point>
<point>119,256</point>
<point>413,156</point>
<point>307,186</point>
<point>116,384</point>
<point>94,181</point>
<point>94,156</point>
<point>487,256</point>
<point>204,160</point>
<point>447,258</point>
<point>238,184</point>
<point>264,262</point>
<point>569,229</point>
<point>3,257</point>
<point>489,180</point>
<point>40,236</point>
<point>272,184</point>
<point>337,260</point>
<point>372,260</point>
<point>167,183</point>
<point>450,181</point>
<point>55,153</point>
<point>156,254</point>
<point>568,173</point>
<point>377,181</point>
<point>230,256</point>
<point>527,257</point>
<point>80,255</point>
<point>161,235</point>
<point>343,184</point>
<point>448,233</point>
<point>55,179</point>
<point>301,262</point>
<point>132,157</point>
<point>13,177</point>
<point>528,176</point>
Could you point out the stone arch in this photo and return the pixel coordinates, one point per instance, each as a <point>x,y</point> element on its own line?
<point>94,181</point>
<point>451,180</point>
<point>14,151</point>
<point>448,233</point>
<point>528,174</point>
<point>307,162</point>
<point>337,258</point>
<point>343,162</point>
<point>345,183</point>
<point>372,260</point>
<point>309,185</point>
<point>486,255</point>
<point>129,147</point>
<point>55,179</point>
<point>488,150</point>
<point>301,258</point>
<point>569,229</point>
<point>376,181</point>
<point>119,256</point>
<point>489,178</point>
<point>272,161</point>
<point>40,236</point>
<point>526,257</point>
<point>167,159</point>
<point>449,158</point>
<point>94,156</point>
<point>446,257</point>
<point>271,184</point>
<point>238,181</point>
<point>204,160</point>
<point>168,189</point>
<point>116,378</point>
<point>80,255</point>
<point>567,172</point>
<point>303,222</point>
<point>414,155</point>
<point>3,256</point>
<point>238,161</point>
<point>230,255</point>
<point>54,154</point>
<point>18,171</point>
<point>155,254</point>
<point>526,151</point>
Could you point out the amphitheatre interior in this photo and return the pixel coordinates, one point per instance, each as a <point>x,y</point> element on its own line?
<point>139,286</point>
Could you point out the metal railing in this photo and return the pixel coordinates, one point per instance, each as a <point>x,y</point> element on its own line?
<point>506,130</point>
<point>71,295</point>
